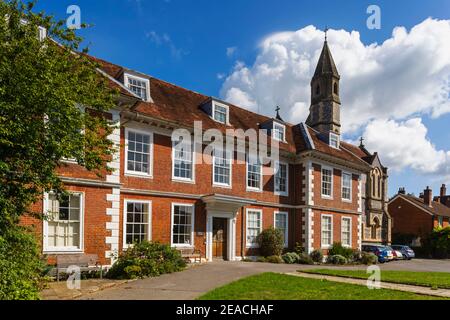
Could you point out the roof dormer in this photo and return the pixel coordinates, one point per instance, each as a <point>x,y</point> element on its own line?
<point>218,111</point>
<point>275,129</point>
<point>139,85</point>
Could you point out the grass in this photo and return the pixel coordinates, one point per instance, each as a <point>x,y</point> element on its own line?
<point>274,286</point>
<point>426,279</point>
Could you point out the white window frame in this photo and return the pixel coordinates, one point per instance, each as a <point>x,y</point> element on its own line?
<point>248,188</point>
<point>342,186</point>
<point>128,76</point>
<point>338,140</point>
<point>177,245</point>
<point>276,188</point>
<point>180,179</point>
<point>325,196</point>
<point>440,221</point>
<point>282,126</point>
<point>219,184</point>
<point>48,249</point>
<point>260,212</point>
<point>326,246</point>
<point>125,212</point>
<point>213,112</point>
<point>350,232</point>
<point>286,231</point>
<point>138,173</point>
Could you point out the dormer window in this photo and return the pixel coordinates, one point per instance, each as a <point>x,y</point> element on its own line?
<point>279,132</point>
<point>334,140</point>
<point>139,86</point>
<point>220,112</point>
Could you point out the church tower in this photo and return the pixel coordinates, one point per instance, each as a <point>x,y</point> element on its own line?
<point>324,113</point>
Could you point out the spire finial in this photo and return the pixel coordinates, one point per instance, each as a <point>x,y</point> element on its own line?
<point>326,33</point>
<point>362,142</point>
<point>278,117</point>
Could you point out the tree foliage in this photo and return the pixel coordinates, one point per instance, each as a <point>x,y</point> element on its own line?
<point>51,102</point>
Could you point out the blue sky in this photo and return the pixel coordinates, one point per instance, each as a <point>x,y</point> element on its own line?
<point>185,42</point>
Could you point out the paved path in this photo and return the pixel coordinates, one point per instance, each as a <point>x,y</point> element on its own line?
<point>384,285</point>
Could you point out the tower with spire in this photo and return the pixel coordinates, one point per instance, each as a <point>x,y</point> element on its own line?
<point>324,113</point>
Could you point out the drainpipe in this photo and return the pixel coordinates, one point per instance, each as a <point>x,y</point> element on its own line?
<point>242,234</point>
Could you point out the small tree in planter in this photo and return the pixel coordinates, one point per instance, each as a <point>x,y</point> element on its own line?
<point>271,242</point>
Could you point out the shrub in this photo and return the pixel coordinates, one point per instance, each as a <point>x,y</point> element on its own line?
<point>21,269</point>
<point>271,242</point>
<point>368,258</point>
<point>337,259</point>
<point>274,259</point>
<point>305,259</point>
<point>248,260</point>
<point>261,259</point>
<point>146,259</point>
<point>317,256</point>
<point>338,249</point>
<point>299,248</point>
<point>290,257</point>
<point>355,256</point>
<point>437,244</point>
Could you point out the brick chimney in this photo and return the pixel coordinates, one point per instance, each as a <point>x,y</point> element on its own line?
<point>427,196</point>
<point>401,190</point>
<point>443,191</point>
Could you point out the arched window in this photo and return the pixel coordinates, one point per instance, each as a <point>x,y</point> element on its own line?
<point>336,89</point>
<point>374,228</point>
<point>376,183</point>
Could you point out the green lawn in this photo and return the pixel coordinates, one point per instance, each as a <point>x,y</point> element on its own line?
<point>274,286</point>
<point>427,279</point>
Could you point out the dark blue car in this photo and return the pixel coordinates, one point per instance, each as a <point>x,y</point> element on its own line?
<point>406,251</point>
<point>382,252</point>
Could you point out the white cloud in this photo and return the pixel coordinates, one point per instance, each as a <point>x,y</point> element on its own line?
<point>407,75</point>
<point>164,39</point>
<point>231,51</point>
<point>405,144</point>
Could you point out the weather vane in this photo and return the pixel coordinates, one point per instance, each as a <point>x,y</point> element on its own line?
<point>362,142</point>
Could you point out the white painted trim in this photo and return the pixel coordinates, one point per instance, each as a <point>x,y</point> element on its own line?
<point>46,249</point>
<point>231,232</point>
<point>324,196</point>
<point>351,231</point>
<point>332,134</point>
<point>213,108</point>
<point>286,233</point>
<point>273,131</point>
<point>184,180</point>
<point>342,186</point>
<point>222,185</point>
<point>176,245</point>
<point>260,211</point>
<point>136,173</point>
<point>125,211</point>
<point>261,177</point>
<point>321,231</point>
<point>127,76</point>
<point>278,193</point>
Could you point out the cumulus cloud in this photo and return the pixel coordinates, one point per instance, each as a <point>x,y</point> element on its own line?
<point>406,75</point>
<point>405,144</point>
<point>231,51</point>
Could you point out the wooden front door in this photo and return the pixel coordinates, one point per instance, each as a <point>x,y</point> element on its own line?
<point>219,249</point>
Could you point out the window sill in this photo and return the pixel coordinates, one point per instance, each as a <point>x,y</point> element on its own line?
<point>138,175</point>
<point>347,200</point>
<point>179,180</point>
<point>63,251</point>
<point>281,194</point>
<point>253,190</point>
<point>327,197</point>
<point>224,186</point>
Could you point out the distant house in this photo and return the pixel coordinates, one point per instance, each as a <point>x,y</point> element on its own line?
<point>443,197</point>
<point>417,216</point>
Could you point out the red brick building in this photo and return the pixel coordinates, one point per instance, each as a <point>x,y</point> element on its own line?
<point>162,193</point>
<point>418,216</point>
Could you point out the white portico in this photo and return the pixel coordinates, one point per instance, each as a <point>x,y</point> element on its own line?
<point>221,216</point>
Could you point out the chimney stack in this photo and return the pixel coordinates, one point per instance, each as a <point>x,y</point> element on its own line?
<point>443,191</point>
<point>401,190</point>
<point>427,196</point>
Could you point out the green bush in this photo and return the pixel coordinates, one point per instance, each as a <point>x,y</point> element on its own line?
<point>146,259</point>
<point>368,258</point>
<point>355,256</point>
<point>305,259</point>
<point>261,259</point>
<point>274,259</point>
<point>290,257</point>
<point>21,269</point>
<point>338,249</point>
<point>337,259</point>
<point>271,242</point>
<point>437,244</point>
<point>317,256</point>
<point>299,248</point>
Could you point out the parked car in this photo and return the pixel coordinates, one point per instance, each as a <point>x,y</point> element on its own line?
<point>397,253</point>
<point>407,252</point>
<point>382,252</point>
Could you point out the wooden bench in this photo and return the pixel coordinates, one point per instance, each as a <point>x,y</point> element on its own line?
<point>191,253</point>
<point>86,262</point>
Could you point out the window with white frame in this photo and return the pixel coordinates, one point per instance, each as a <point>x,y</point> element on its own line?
<point>334,140</point>
<point>182,160</point>
<point>137,221</point>
<point>138,152</point>
<point>327,182</point>
<point>279,132</point>
<point>281,223</point>
<point>220,113</point>
<point>254,226</point>
<point>182,225</point>
<point>281,178</point>
<point>63,225</point>
<point>346,232</point>
<point>137,85</point>
<point>346,186</point>
<point>327,231</point>
<point>222,168</point>
<point>254,174</point>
